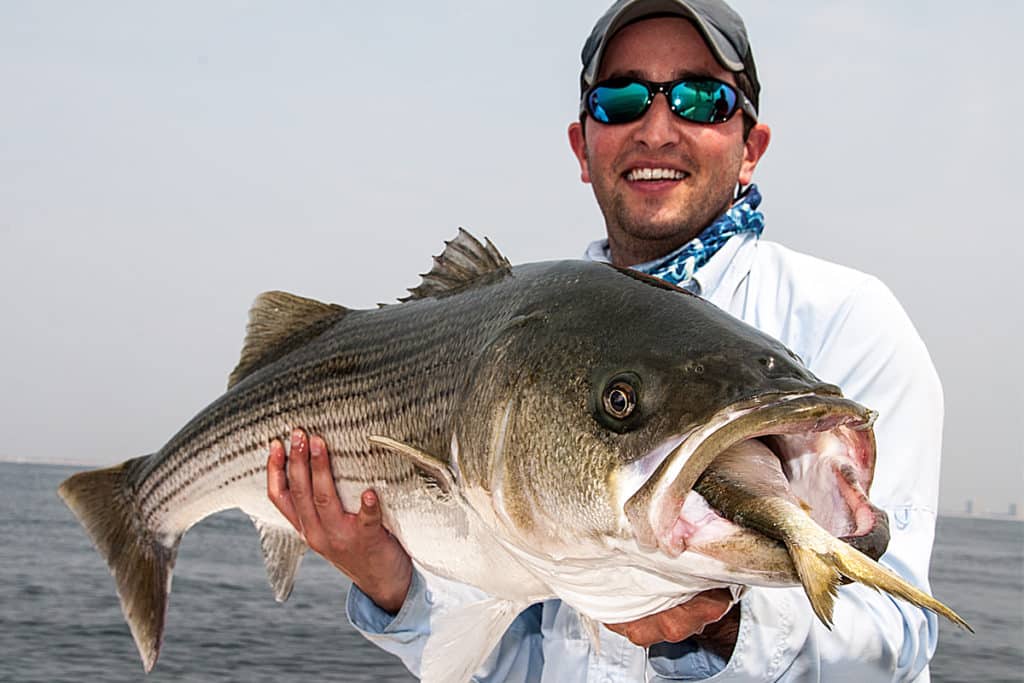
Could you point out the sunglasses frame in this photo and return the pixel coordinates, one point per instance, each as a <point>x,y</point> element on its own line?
<point>665,88</point>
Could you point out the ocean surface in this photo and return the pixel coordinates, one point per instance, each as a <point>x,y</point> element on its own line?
<point>60,620</point>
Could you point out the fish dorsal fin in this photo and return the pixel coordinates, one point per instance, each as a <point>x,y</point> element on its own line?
<point>464,261</point>
<point>282,551</point>
<point>278,323</point>
<point>432,465</point>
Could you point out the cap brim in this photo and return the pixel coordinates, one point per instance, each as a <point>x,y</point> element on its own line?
<point>720,46</point>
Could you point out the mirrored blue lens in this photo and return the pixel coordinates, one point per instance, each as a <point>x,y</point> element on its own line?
<point>618,104</point>
<point>703,101</point>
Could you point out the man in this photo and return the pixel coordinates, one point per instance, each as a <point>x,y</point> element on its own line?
<point>667,133</point>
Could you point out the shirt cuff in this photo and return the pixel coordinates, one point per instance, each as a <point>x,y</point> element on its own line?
<point>413,618</point>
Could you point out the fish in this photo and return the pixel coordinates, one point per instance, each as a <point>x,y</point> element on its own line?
<point>559,429</point>
<point>747,485</point>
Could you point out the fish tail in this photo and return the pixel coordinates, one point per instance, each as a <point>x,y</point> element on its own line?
<point>820,580</point>
<point>857,566</point>
<point>821,573</point>
<point>140,559</point>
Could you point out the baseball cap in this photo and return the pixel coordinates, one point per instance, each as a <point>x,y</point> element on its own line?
<point>721,27</point>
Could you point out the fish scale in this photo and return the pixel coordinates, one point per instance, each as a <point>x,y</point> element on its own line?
<point>301,399</point>
<point>479,411</point>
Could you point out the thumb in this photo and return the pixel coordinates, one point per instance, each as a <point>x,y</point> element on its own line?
<point>369,509</point>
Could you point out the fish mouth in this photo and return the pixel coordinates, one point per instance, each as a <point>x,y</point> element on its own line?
<point>827,450</point>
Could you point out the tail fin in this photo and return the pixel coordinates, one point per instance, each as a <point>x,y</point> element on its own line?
<point>820,579</point>
<point>856,565</point>
<point>140,562</point>
<point>821,574</point>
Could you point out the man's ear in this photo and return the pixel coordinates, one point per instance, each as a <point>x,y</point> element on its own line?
<point>579,147</point>
<point>753,149</point>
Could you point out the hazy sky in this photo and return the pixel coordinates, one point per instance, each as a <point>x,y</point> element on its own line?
<point>162,163</point>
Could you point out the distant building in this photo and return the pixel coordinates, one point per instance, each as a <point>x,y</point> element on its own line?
<point>970,507</point>
<point>1013,509</point>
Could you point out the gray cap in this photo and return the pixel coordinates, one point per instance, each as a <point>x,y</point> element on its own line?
<point>721,27</point>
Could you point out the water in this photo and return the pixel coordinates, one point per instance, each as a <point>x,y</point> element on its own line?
<point>60,620</point>
<point>978,565</point>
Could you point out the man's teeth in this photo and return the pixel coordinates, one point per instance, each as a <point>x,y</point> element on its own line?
<point>655,174</point>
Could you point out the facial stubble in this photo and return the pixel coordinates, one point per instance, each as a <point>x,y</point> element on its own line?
<point>646,238</point>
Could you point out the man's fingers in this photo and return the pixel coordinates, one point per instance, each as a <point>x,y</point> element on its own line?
<point>300,489</point>
<point>678,623</point>
<point>369,510</point>
<point>713,604</point>
<point>277,484</point>
<point>325,495</point>
<point>643,632</point>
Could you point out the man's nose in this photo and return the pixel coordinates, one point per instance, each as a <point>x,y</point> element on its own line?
<point>658,127</point>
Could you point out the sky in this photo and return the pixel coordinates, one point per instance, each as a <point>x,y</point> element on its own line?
<point>163,163</point>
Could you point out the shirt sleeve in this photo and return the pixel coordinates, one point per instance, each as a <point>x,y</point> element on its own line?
<point>517,658</point>
<point>871,350</point>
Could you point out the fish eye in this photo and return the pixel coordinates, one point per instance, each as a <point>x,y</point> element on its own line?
<point>619,399</point>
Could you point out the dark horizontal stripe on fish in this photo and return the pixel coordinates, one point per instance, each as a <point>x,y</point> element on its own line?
<point>359,370</point>
<point>258,471</point>
<point>204,429</point>
<point>251,408</point>
<point>389,418</point>
<point>397,478</point>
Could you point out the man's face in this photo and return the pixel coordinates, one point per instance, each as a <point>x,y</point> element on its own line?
<point>649,218</point>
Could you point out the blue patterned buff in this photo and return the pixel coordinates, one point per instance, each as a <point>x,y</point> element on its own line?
<point>679,266</point>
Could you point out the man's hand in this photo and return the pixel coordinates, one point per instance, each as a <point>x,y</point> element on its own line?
<point>707,616</point>
<point>301,486</point>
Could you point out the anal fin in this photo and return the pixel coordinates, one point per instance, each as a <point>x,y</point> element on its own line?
<point>282,552</point>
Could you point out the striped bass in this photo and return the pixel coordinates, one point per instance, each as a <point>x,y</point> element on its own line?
<point>540,431</point>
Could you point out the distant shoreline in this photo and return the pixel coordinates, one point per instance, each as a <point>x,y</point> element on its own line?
<point>988,516</point>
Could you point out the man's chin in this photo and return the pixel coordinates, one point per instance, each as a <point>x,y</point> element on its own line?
<point>660,230</point>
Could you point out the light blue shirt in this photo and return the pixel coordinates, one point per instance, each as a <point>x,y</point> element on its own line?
<point>849,330</point>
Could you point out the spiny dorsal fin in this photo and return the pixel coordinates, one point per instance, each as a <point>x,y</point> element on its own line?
<point>464,261</point>
<point>278,323</point>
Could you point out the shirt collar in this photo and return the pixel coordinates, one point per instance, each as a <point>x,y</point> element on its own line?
<point>719,276</point>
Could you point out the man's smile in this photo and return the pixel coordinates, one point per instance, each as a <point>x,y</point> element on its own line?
<point>653,173</point>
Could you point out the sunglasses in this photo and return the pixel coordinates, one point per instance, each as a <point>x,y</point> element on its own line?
<point>700,100</point>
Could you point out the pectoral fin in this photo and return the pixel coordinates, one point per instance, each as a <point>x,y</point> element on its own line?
<point>432,465</point>
<point>461,640</point>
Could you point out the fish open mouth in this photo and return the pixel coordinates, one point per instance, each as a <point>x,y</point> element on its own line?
<point>827,452</point>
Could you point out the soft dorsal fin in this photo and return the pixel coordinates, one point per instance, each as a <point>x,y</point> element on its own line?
<point>463,261</point>
<point>278,323</point>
